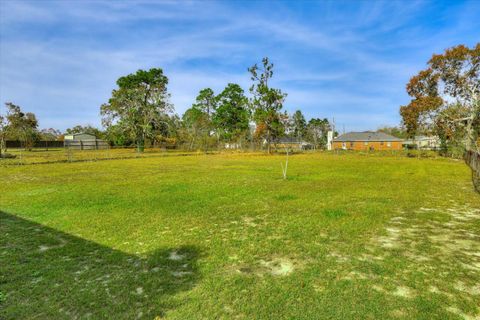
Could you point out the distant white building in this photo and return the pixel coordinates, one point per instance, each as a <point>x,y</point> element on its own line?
<point>84,141</point>
<point>424,142</point>
<point>79,137</point>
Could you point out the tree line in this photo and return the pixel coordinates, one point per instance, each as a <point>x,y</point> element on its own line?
<point>139,113</point>
<point>445,103</point>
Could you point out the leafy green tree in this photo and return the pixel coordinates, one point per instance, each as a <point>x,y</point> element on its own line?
<point>138,105</point>
<point>231,118</point>
<point>50,134</point>
<point>266,103</point>
<point>200,119</point>
<point>196,127</point>
<point>299,125</point>
<point>206,102</point>
<point>22,126</point>
<point>395,131</point>
<point>85,129</point>
<point>317,130</point>
<point>116,136</point>
<point>174,128</point>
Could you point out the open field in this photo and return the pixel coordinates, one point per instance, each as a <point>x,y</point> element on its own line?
<point>346,236</point>
<point>59,155</point>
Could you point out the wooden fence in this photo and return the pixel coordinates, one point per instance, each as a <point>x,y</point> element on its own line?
<point>15,144</point>
<point>473,160</point>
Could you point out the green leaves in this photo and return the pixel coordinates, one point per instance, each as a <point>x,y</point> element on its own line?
<point>21,126</point>
<point>152,78</point>
<point>205,101</point>
<point>232,115</point>
<point>299,125</point>
<point>317,130</point>
<point>139,105</point>
<point>266,102</point>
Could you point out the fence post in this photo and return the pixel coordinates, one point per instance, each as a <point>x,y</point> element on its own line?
<point>473,161</point>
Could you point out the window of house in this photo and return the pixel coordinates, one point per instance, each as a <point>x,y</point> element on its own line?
<point>344,145</point>
<point>351,144</point>
<point>381,143</point>
<point>365,143</point>
<point>389,144</point>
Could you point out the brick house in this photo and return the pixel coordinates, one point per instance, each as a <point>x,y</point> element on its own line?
<point>367,141</point>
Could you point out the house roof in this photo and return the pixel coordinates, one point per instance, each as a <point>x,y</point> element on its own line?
<point>366,136</point>
<point>74,135</point>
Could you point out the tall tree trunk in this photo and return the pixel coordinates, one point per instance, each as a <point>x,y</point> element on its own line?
<point>470,139</point>
<point>472,152</point>
<point>190,148</point>
<point>472,159</point>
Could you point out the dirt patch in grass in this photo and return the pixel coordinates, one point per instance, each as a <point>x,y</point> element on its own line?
<point>404,292</point>
<point>461,314</point>
<point>175,256</point>
<point>44,247</point>
<point>278,267</point>
<point>398,314</point>
<point>449,238</point>
<point>357,275</point>
<point>338,257</point>
<point>436,245</point>
<point>471,290</point>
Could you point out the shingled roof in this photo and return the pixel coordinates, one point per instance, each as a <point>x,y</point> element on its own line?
<point>366,136</point>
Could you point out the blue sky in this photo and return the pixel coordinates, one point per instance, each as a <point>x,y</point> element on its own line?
<point>344,59</point>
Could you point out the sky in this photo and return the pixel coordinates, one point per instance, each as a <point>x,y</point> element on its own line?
<point>348,60</point>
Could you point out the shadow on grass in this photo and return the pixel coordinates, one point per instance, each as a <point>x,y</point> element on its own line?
<point>45,273</point>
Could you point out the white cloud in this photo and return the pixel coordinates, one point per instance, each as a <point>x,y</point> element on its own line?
<point>62,59</point>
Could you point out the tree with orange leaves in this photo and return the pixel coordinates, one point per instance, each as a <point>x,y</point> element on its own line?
<point>446,96</point>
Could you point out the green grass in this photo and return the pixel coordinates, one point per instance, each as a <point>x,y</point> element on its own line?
<point>346,236</point>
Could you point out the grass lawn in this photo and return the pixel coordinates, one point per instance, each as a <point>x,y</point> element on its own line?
<point>225,237</point>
